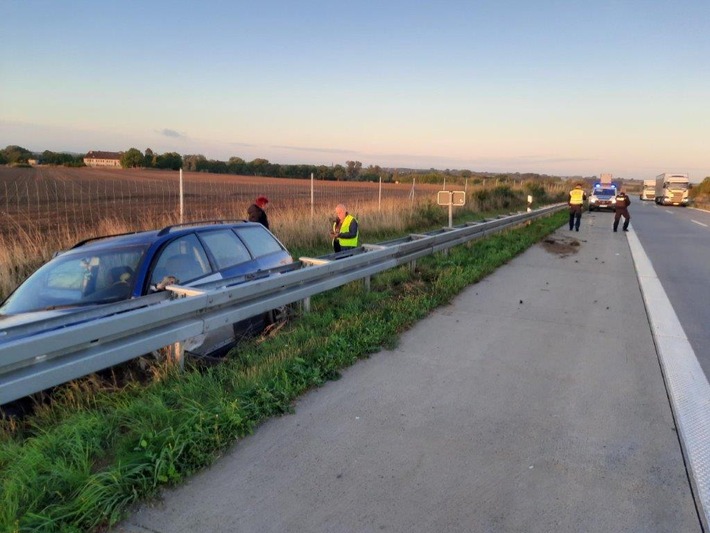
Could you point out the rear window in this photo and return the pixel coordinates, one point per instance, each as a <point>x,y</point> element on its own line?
<point>226,248</point>
<point>259,241</point>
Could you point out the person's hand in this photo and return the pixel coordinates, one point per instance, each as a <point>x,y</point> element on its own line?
<point>167,280</point>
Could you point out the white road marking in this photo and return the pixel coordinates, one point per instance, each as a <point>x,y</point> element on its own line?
<point>686,383</point>
<point>698,223</point>
<point>669,212</point>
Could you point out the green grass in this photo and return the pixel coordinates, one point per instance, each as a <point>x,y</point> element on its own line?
<point>79,464</point>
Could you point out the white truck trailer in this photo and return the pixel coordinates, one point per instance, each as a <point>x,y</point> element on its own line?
<point>672,189</point>
<point>648,191</point>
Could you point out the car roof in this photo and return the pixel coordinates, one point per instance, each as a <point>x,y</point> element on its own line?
<point>151,236</point>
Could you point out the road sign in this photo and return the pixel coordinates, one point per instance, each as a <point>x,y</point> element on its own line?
<point>443,198</point>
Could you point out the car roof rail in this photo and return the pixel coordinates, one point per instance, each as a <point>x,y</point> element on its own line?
<point>168,229</point>
<point>91,239</point>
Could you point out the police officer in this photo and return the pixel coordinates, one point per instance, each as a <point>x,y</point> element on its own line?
<point>621,208</point>
<point>576,199</point>
<point>345,232</point>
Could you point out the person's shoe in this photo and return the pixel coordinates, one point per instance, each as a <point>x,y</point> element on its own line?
<point>625,229</point>
<point>614,230</point>
<point>576,229</point>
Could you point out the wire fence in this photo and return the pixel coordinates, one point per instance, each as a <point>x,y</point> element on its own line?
<point>45,198</point>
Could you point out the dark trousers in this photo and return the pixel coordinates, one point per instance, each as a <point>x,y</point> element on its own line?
<point>338,248</point>
<point>618,214</point>
<point>575,216</point>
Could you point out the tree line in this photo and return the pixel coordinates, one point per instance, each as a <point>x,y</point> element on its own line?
<point>350,171</point>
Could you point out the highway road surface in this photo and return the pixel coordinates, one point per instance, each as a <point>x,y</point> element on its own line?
<point>677,241</point>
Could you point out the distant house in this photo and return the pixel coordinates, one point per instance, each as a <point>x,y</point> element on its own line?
<point>103,159</point>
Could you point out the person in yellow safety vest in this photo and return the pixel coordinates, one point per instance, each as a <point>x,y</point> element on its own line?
<point>345,232</point>
<point>577,196</point>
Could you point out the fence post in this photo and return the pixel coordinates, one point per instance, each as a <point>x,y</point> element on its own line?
<point>181,196</point>
<point>312,204</point>
<point>379,201</point>
<point>411,195</point>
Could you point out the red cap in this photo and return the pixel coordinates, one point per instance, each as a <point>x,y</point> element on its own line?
<point>261,201</point>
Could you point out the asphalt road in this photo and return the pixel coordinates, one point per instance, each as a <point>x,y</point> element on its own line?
<point>677,241</point>
<point>534,402</point>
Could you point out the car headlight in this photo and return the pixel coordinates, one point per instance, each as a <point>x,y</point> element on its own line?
<point>592,200</point>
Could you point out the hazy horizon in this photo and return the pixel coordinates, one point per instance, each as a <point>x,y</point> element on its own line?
<point>565,89</point>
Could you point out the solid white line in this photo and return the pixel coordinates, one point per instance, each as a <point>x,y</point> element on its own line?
<point>698,223</point>
<point>686,383</point>
<point>669,212</point>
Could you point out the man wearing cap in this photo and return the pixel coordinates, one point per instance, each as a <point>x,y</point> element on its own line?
<point>576,199</point>
<point>257,213</point>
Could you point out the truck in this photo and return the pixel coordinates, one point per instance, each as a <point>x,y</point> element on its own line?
<point>603,194</point>
<point>648,191</point>
<point>672,189</point>
<point>605,179</point>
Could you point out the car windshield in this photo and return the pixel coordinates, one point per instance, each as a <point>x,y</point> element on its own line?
<point>77,278</point>
<point>678,186</point>
<point>605,192</point>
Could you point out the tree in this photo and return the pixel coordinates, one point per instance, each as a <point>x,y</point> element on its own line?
<point>149,159</point>
<point>259,166</point>
<point>169,160</point>
<point>133,158</point>
<point>338,172</point>
<point>195,163</point>
<point>353,170</point>
<point>236,165</point>
<point>16,154</point>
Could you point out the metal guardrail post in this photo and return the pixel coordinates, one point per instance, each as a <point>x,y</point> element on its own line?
<point>176,355</point>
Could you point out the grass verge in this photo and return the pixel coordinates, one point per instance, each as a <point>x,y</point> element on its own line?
<point>81,463</point>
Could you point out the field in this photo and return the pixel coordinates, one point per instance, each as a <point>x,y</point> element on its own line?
<point>44,198</point>
<point>46,209</point>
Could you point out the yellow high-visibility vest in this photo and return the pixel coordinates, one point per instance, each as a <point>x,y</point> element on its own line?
<point>576,196</point>
<point>345,228</point>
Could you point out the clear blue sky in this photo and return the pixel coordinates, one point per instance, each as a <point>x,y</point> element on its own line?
<point>561,87</point>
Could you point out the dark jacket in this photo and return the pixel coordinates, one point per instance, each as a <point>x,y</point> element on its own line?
<point>257,214</point>
<point>622,201</point>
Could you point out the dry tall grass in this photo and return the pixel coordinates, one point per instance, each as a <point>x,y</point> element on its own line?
<point>29,248</point>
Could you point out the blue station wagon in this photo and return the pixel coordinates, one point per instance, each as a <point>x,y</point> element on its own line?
<point>119,267</point>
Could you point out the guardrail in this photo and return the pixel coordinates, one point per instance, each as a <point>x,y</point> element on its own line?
<point>50,352</point>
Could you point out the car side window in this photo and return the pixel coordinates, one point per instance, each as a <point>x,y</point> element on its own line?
<point>259,241</point>
<point>184,259</point>
<point>225,247</point>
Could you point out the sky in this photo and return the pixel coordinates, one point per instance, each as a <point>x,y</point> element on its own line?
<point>560,87</point>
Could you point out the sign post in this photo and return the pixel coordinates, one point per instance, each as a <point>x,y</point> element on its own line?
<point>451,199</point>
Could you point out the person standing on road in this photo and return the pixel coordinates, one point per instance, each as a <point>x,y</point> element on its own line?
<point>257,213</point>
<point>576,199</point>
<point>621,208</point>
<point>345,232</point>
